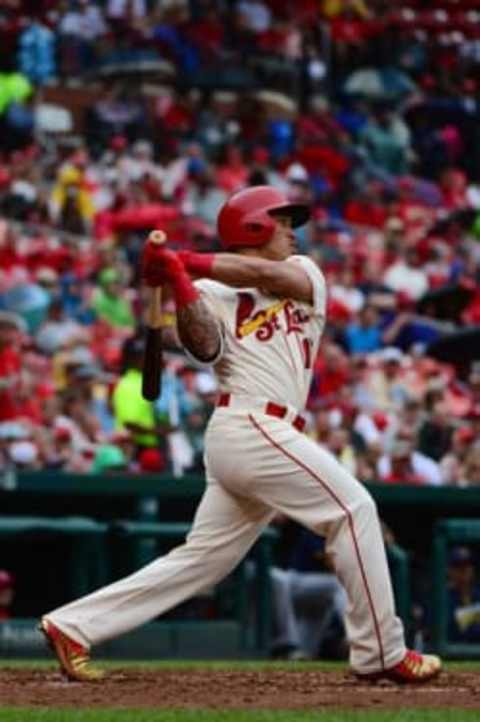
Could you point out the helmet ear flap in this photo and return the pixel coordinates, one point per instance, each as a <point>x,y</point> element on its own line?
<point>254,227</point>
<point>258,228</point>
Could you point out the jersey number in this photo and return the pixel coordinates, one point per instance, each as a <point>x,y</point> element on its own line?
<point>307,352</point>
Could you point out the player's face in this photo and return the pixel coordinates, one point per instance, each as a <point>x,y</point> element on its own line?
<point>283,243</point>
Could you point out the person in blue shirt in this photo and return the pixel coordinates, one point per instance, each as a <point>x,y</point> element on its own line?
<point>174,404</point>
<point>308,603</point>
<point>365,333</point>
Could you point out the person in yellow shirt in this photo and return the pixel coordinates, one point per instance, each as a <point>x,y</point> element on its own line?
<point>131,410</point>
<point>72,194</point>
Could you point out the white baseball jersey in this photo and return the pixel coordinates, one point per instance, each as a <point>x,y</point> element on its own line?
<point>269,343</point>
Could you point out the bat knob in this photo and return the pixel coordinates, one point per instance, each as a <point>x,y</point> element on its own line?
<point>157,237</point>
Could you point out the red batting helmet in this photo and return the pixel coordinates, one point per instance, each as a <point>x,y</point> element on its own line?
<point>247,218</point>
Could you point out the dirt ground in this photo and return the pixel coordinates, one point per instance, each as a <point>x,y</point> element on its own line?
<point>235,689</point>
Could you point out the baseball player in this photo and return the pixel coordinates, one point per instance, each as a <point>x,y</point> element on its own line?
<point>257,315</point>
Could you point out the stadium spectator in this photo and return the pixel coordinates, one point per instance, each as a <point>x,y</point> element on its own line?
<point>24,455</point>
<point>470,470</point>
<point>58,331</point>
<point>109,459</point>
<point>452,463</point>
<point>308,603</point>
<point>71,202</point>
<point>338,443</point>
<point>386,139</point>
<point>110,301</point>
<point>387,383</point>
<point>406,276</point>
<point>130,409</point>
<point>11,326</point>
<point>204,198</point>
<point>405,465</point>
<point>346,292</point>
<point>364,334</point>
<point>7,594</point>
<point>36,52</point>
<point>80,26</point>
<point>83,426</point>
<point>435,434</point>
<point>463,597</point>
<point>120,112</point>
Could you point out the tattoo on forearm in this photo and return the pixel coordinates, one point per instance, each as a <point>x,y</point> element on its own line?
<point>198,330</point>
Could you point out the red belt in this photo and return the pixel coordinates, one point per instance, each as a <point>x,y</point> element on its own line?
<point>271,409</point>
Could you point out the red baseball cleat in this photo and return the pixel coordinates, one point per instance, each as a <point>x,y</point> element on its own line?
<point>74,659</point>
<point>414,668</point>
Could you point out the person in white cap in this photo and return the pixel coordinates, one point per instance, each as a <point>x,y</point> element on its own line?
<point>24,454</point>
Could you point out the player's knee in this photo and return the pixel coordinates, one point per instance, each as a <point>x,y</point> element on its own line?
<point>206,552</point>
<point>226,557</point>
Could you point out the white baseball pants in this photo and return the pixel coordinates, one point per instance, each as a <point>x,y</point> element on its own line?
<point>257,464</point>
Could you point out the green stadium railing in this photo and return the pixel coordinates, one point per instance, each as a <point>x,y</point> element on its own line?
<point>191,487</point>
<point>88,567</point>
<point>149,498</point>
<point>450,531</point>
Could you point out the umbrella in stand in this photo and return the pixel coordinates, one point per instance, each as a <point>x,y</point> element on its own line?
<point>374,83</point>
<point>276,103</point>
<point>442,110</point>
<point>447,302</point>
<point>136,69</point>
<point>459,348</point>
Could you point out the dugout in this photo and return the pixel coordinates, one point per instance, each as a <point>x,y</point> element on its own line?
<point>43,562</point>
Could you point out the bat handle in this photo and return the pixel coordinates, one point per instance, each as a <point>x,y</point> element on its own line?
<point>152,370</point>
<point>153,316</point>
<point>152,363</point>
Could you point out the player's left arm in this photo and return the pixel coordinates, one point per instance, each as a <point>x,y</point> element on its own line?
<point>199,331</point>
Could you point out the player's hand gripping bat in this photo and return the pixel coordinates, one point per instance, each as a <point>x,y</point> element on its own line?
<point>152,361</point>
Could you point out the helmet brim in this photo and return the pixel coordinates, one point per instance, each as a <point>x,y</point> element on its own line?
<point>299,213</point>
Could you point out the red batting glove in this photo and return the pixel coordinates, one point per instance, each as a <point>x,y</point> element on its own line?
<point>160,265</point>
<point>198,264</point>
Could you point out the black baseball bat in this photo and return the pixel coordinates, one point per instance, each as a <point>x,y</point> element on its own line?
<point>152,360</point>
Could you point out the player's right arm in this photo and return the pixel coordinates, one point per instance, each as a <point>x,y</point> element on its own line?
<point>285,280</point>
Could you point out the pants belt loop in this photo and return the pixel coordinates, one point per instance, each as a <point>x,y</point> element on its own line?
<point>273,409</point>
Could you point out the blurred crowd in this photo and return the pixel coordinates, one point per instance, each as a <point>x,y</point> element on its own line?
<point>366,110</point>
